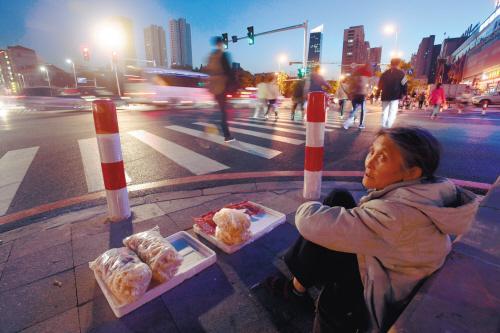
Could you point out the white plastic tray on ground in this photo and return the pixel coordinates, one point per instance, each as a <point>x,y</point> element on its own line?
<point>197,257</point>
<point>261,224</point>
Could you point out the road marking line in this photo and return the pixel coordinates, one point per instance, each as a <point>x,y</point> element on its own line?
<point>331,124</point>
<point>238,145</point>
<point>290,123</point>
<point>13,167</point>
<point>270,126</point>
<point>186,158</point>
<point>259,134</point>
<point>89,151</point>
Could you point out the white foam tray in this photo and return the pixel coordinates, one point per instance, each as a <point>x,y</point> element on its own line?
<point>197,257</point>
<point>261,224</point>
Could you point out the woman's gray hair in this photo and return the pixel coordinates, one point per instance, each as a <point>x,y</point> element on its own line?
<point>418,147</point>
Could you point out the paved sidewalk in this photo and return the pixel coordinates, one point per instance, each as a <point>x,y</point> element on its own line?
<point>46,285</point>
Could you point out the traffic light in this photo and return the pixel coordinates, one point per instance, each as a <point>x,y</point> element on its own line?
<point>234,38</point>
<point>114,57</point>
<point>250,35</point>
<point>301,72</point>
<point>225,40</point>
<point>86,54</point>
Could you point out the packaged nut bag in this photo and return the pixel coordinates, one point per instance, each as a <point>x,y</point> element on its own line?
<point>156,252</point>
<point>125,275</point>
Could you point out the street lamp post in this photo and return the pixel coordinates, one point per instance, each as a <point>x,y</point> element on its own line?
<point>46,70</point>
<point>69,61</point>
<point>392,29</point>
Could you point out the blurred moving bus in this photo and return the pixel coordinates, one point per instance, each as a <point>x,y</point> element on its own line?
<point>168,87</point>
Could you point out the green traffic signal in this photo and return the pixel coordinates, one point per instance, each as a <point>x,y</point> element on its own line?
<point>250,36</point>
<point>225,40</point>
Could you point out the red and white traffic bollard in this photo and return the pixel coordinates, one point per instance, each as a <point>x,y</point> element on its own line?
<point>110,151</point>
<point>315,140</point>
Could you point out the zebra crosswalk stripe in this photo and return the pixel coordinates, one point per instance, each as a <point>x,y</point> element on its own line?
<point>258,134</point>
<point>281,129</point>
<point>89,152</point>
<point>186,158</point>
<point>238,145</point>
<point>290,123</point>
<point>13,167</point>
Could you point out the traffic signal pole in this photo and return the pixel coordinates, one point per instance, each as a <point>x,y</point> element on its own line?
<point>304,26</point>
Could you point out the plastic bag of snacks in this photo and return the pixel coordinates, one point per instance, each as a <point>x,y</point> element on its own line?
<point>232,226</point>
<point>156,252</point>
<point>125,275</point>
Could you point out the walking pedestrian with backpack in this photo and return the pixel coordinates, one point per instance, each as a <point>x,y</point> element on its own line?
<point>342,97</point>
<point>221,81</point>
<point>298,98</point>
<point>358,90</point>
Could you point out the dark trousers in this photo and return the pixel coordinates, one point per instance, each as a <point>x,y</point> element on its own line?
<point>294,107</point>
<point>221,100</point>
<point>341,305</point>
<point>271,105</point>
<point>359,101</point>
<point>342,103</point>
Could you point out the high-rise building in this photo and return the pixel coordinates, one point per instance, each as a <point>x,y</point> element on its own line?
<point>125,24</point>
<point>155,44</point>
<point>315,38</point>
<point>19,68</point>
<point>436,49</point>
<point>180,43</point>
<point>375,57</point>
<point>354,48</point>
<point>424,58</point>
<point>444,60</point>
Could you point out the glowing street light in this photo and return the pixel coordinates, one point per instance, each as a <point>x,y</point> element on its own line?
<point>69,61</point>
<point>110,35</point>
<point>281,59</point>
<point>396,54</point>
<point>390,29</point>
<point>45,69</point>
<point>322,71</point>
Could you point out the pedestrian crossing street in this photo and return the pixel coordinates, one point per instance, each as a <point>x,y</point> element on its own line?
<point>15,164</point>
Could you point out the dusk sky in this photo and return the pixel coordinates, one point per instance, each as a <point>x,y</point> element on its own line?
<point>57,29</point>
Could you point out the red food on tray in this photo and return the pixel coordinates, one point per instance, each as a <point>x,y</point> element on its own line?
<point>207,225</point>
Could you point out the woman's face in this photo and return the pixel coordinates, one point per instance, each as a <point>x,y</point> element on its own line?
<point>384,164</point>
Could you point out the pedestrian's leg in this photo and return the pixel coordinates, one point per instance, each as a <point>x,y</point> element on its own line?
<point>221,99</point>
<point>393,111</point>
<point>268,108</point>
<point>385,114</point>
<point>292,113</point>
<point>341,104</point>
<point>352,114</point>
<point>435,111</point>
<point>362,119</point>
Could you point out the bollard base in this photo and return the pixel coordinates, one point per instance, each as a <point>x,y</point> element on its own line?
<point>312,184</point>
<point>118,204</point>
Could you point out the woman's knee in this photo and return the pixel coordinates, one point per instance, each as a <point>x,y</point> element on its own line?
<point>340,197</point>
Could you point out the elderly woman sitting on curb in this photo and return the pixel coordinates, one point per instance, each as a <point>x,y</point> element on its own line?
<point>370,258</point>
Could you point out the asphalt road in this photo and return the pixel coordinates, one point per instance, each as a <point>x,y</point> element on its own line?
<point>49,156</point>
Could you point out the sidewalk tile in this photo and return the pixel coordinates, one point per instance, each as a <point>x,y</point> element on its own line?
<point>145,212</point>
<point>286,203</point>
<point>88,248</point>
<point>166,196</point>
<point>66,322</point>
<point>36,266</point>
<point>222,201</point>
<point>97,316</point>
<point>484,234</point>
<point>184,218</point>
<point>5,251</point>
<point>166,224</point>
<point>77,216</point>
<point>180,204</point>
<point>40,241</point>
<point>272,186</point>
<point>36,302</point>
<point>492,199</point>
<point>14,234</point>
<point>93,226</point>
<point>280,239</point>
<point>258,197</point>
<point>2,266</point>
<point>234,188</point>
<point>86,285</point>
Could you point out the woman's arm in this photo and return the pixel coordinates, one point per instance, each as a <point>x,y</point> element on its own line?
<point>372,230</point>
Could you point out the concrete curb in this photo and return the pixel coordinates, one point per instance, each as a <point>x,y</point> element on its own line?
<point>89,198</point>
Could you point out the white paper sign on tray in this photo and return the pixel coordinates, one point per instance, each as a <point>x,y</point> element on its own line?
<point>261,224</point>
<point>196,257</point>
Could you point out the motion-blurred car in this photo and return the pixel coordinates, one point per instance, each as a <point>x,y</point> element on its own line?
<point>487,99</point>
<point>243,98</point>
<point>47,99</point>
